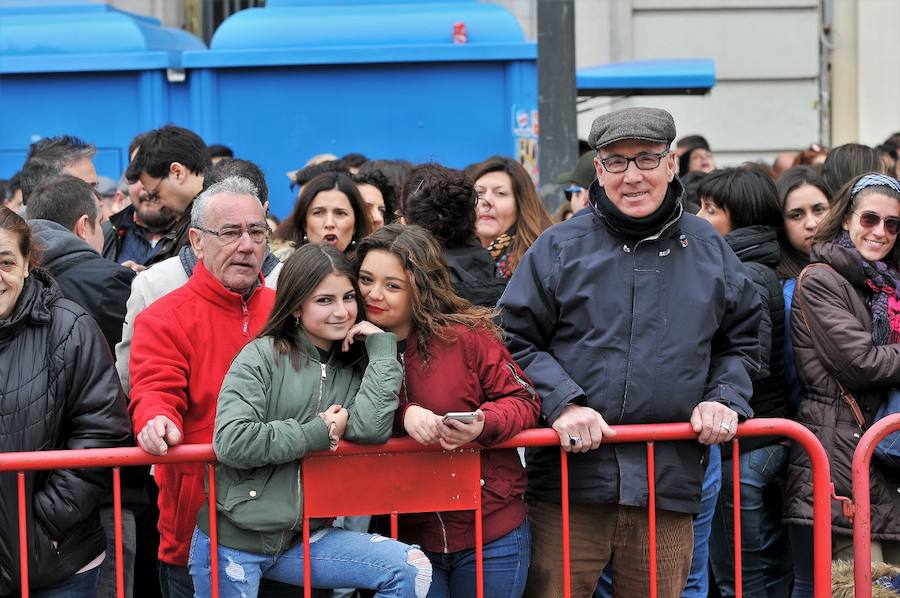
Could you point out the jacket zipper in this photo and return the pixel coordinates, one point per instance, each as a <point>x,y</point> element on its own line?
<point>246,314</point>
<point>528,387</point>
<point>443,533</point>
<point>299,496</point>
<point>404,395</point>
<point>322,385</point>
<point>631,331</point>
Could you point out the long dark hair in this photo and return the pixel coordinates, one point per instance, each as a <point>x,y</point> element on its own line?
<point>435,305</point>
<point>533,218</point>
<point>302,272</point>
<point>793,260</point>
<point>845,203</point>
<point>293,228</point>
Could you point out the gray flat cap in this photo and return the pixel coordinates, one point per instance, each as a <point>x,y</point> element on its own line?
<point>649,124</point>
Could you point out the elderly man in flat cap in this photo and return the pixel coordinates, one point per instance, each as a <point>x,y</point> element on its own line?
<point>635,314</point>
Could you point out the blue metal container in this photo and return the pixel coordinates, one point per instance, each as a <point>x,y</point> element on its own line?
<point>297,78</point>
<point>87,70</point>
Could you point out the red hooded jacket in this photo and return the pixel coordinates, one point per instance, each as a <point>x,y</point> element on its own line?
<point>475,371</point>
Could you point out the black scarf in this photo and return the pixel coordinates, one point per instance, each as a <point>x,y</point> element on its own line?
<point>635,228</point>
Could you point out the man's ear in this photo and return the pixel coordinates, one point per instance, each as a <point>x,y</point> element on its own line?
<point>81,227</point>
<point>178,171</point>
<point>194,236</point>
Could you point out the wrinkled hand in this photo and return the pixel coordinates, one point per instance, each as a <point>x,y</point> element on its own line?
<point>158,435</point>
<point>581,429</point>
<point>714,422</point>
<point>422,424</point>
<point>338,416</point>
<point>134,265</point>
<point>359,331</point>
<point>455,433</point>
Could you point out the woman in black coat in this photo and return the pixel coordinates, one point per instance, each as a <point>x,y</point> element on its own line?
<point>58,390</point>
<point>742,204</point>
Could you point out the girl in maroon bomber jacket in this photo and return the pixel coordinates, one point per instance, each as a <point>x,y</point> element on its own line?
<point>454,361</point>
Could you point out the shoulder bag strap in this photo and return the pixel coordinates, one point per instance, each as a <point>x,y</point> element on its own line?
<point>845,394</point>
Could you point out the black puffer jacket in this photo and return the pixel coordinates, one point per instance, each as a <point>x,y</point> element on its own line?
<point>757,247</point>
<point>836,344</point>
<point>474,275</point>
<point>58,390</point>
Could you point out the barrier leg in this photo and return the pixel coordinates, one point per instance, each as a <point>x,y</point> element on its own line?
<point>307,568</point>
<point>117,524</point>
<point>23,533</point>
<point>566,556</point>
<point>651,514</point>
<point>736,512</point>
<point>213,533</point>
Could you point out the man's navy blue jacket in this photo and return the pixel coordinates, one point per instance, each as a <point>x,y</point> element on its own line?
<point>642,331</point>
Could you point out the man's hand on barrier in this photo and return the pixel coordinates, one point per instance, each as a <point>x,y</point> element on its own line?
<point>455,433</point>
<point>422,424</point>
<point>714,422</point>
<point>581,429</point>
<point>158,435</point>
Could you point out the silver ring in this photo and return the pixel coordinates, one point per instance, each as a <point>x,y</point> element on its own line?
<point>726,427</point>
<point>573,440</point>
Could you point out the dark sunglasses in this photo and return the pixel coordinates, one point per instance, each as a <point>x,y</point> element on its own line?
<point>871,220</point>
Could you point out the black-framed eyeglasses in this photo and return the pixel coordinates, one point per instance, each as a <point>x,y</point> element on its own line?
<point>645,161</point>
<point>232,234</point>
<point>572,190</point>
<point>154,195</point>
<point>871,220</point>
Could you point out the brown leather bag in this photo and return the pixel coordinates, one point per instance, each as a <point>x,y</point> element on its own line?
<point>845,394</point>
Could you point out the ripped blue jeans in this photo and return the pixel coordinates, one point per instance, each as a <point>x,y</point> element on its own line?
<point>339,559</point>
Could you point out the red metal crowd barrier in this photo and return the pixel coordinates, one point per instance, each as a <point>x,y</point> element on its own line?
<point>421,479</point>
<point>862,508</point>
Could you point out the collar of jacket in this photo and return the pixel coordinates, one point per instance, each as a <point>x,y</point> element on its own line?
<point>666,228</point>
<point>33,305</point>
<point>848,263</point>
<point>209,288</point>
<point>755,244</point>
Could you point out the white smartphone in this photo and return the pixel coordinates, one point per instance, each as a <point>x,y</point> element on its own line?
<point>466,417</point>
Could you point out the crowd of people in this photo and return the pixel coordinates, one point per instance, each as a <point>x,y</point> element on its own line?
<point>449,306</point>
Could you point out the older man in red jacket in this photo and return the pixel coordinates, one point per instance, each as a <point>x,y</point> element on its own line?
<point>182,347</point>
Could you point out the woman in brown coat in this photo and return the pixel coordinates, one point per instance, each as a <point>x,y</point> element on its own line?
<point>845,322</point>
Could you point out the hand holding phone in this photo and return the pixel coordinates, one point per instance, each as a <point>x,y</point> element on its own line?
<point>466,417</point>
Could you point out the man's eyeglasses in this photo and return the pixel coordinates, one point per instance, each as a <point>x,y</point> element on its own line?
<point>154,195</point>
<point>232,234</point>
<point>646,161</point>
<point>572,190</point>
<point>871,220</point>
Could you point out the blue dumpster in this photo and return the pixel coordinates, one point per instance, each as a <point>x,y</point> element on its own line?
<point>87,70</point>
<point>297,78</point>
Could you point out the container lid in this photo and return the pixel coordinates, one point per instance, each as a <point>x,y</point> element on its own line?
<point>43,36</point>
<point>298,32</point>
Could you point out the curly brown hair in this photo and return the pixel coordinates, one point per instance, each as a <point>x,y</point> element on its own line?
<point>435,305</point>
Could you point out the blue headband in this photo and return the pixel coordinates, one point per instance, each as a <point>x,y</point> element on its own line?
<point>875,180</point>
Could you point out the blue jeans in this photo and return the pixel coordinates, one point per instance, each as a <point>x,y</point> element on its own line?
<point>505,560</point>
<point>176,582</point>
<point>697,585</point>
<point>82,585</point>
<point>340,559</point>
<point>764,549</point>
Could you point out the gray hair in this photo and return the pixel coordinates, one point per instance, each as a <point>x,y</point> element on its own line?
<point>233,185</point>
<point>47,158</point>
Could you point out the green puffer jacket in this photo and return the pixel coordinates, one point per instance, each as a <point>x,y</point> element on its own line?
<point>266,421</point>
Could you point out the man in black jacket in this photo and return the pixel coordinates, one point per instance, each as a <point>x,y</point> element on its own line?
<point>66,218</point>
<point>170,163</point>
<point>634,313</point>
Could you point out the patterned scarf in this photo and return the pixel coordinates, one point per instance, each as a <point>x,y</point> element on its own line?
<point>498,250</point>
<point>882,281</point>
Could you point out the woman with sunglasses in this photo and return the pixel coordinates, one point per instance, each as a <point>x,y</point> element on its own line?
<point>845,322</point>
